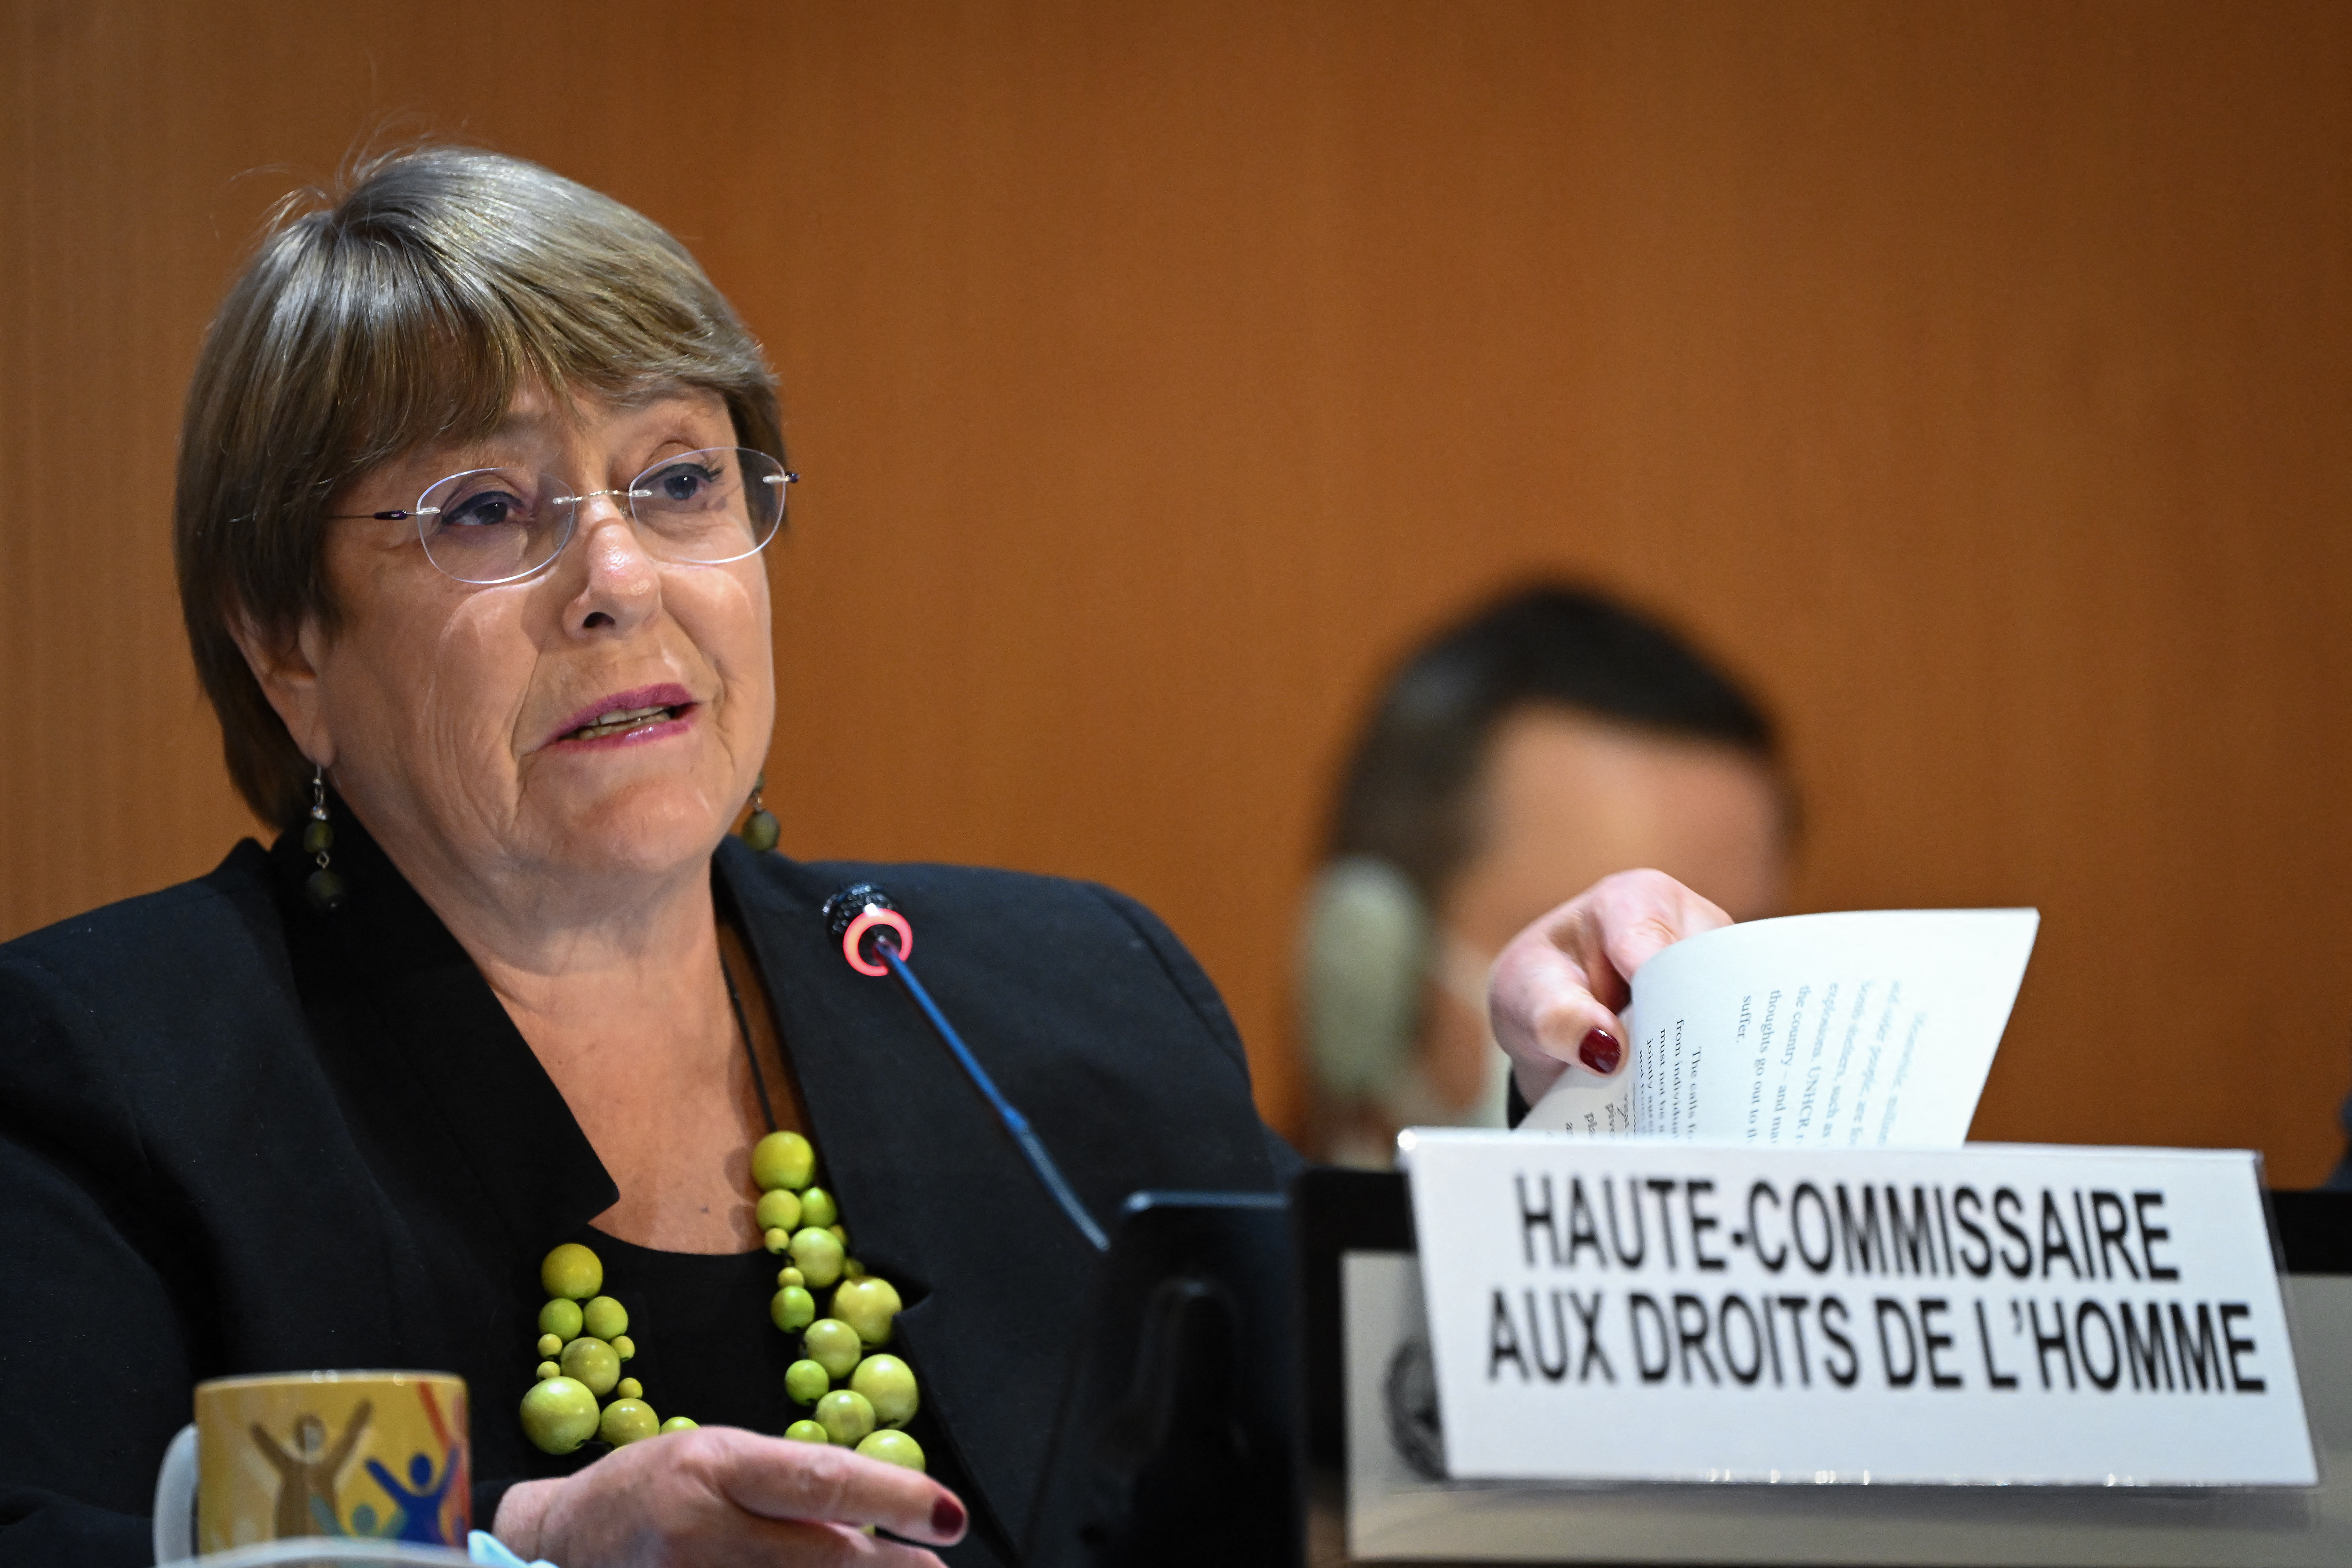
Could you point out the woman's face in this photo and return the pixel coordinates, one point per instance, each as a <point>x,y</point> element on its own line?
<point>602,719</point>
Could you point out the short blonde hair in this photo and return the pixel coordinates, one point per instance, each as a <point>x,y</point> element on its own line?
<point>410,306</point>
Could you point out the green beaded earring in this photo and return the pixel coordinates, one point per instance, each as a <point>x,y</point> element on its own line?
<point>759,827</point>
<point>325,888</point>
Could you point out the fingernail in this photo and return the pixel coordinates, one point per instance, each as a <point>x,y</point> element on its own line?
<point>947,1517</point>
<point>1600,1051</point>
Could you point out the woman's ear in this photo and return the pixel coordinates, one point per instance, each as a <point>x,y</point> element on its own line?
<point>286,664</point>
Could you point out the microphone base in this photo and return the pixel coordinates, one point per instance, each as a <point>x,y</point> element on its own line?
<point>1179,1437</point>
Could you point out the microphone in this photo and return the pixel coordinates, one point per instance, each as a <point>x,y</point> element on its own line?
<point>876,941</point>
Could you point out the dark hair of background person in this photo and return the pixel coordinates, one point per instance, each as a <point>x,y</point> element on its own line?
<point>1407,796</point>
<point>409,306</point>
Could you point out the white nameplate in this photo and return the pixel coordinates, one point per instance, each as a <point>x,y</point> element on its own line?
<point>1648,1309</point>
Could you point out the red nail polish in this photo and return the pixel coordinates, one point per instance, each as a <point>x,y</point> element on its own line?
<point>1600,1051</point>
<point>947,1517</point>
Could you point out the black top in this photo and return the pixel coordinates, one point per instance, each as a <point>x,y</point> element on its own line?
<point>239,1135</point>
<point>705,1348</point>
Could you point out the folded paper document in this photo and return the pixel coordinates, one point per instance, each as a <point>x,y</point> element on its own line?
<point>1868,1029</point>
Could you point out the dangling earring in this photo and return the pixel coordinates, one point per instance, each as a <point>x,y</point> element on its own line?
<point>326,889</point>
<point>760,828</point>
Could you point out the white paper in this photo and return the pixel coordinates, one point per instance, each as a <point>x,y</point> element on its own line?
<point>1864,1029</point>
<point>1648,1309</point>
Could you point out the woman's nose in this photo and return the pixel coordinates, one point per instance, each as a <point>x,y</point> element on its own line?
<point>622,585</point>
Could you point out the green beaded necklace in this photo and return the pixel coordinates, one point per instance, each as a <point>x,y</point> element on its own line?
<point>859,1394</point>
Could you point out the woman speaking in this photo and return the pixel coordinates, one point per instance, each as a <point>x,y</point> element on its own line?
<point>508,1057</point>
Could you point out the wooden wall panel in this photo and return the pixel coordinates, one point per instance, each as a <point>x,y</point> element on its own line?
<point>1974,375</point>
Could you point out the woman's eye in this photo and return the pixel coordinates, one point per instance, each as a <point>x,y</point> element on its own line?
<point>684,482</point>
<point>485,510</point>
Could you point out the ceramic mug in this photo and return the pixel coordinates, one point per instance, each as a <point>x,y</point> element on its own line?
<point>362,1456</point>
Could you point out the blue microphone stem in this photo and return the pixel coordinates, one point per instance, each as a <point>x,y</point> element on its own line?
<point>1014,1123</point>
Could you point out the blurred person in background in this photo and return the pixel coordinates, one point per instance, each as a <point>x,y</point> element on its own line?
<point>1551,738</point>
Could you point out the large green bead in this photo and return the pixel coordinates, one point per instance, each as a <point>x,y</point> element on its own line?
<point>867,1305</point>
<point>846,1416</point>
<point>817,1254</point>
<point>892,1449</point>
<point>592,1363</point>
<point>806,1382</point>
<point>832,1345</point>
<point>325,890</point>
<point>560,1317</point>
<point>760,830</point>
<point>573,1271</point>
<point>888,1384</point>
<point>792,1309</point>
<point>784,1160</point>
<point>559,1415</point>
<point>628,1421</point>
<point>778,1210</point>
<point>605,1319</point>
<point>817,1209</point>
<point>806,1432</point>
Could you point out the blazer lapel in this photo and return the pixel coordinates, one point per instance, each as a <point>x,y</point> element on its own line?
<point>933,1192</point>
<point>521,1155</point>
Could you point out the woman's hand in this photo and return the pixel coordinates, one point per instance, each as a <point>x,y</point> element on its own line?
<point>722,1496</point>
<point>1555,991</point>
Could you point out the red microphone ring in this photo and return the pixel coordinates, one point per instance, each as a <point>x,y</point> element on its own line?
<point>853,941</point>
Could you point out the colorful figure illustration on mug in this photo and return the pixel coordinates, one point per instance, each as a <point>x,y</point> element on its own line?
<point>307,1476</point>
<point>418,1517</point>
<point>364,1524</point>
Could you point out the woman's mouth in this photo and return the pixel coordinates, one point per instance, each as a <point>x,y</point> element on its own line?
<point>622,721</point>
<point>629,716</point>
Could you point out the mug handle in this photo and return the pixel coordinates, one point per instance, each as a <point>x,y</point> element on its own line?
<point>175,1500</point>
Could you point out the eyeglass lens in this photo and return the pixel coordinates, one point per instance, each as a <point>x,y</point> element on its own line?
<point>706,507</point>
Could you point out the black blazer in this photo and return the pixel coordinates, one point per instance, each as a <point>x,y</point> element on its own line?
<point>239,1135</point>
